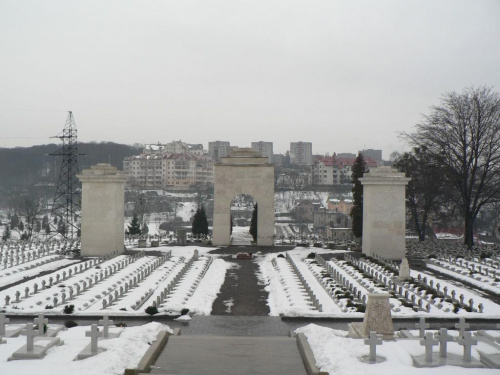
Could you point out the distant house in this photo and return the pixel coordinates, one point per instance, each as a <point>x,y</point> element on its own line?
<point>340,205</point>
<point>335,170</point>
<point>324,219</point>
<point>305,209</point>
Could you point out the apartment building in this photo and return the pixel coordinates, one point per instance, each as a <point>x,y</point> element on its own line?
<point>301,153</point>
<point>265,149</point>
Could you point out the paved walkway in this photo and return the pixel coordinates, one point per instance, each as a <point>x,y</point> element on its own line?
<point>216,355</point>
<point>241,293</point>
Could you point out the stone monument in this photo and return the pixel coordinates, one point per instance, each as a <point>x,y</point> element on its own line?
<point>244,171</point>
<point>103,222</point>
<point>384,213</point>
<point>377,318</point>
<point>404,270</point>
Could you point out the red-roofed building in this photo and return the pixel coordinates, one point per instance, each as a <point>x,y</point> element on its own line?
<point>334,170</point>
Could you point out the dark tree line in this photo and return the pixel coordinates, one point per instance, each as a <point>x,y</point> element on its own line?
<point>22,167</point>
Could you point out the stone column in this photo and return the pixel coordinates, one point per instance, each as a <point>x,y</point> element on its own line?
<point>103,222</point>
<point>384,214</point>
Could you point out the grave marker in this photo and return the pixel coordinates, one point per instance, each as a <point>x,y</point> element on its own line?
<point>467,341</point>
<point>443,339</point>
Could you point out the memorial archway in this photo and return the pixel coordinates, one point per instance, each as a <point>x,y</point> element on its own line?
<point>244,171</point>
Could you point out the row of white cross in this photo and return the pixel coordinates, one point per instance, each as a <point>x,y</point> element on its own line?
<point>31,332</point>
<point>429,340</point>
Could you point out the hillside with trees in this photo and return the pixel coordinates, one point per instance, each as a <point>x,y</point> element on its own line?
<point>23,167</point>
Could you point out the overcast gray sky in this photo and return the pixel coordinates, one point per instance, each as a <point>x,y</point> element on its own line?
<point>343,75</point>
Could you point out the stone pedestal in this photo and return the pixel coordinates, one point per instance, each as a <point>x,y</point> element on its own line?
<point>377,318</point>
<point>103,221</point>
<point>244,172</point>
<point>384,204</point>
<point>181,237</point>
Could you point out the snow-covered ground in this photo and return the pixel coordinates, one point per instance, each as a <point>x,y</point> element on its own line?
<point>123,352</point>
<point>129,284</point>
<point>288,296</point>
<point>285,201</point>
<point>339,355</point>
<point>241,236</point>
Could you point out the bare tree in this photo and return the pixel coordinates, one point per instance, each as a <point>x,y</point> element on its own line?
<point>29,207</point>
<point>463,135</point>
<point>424,189</point>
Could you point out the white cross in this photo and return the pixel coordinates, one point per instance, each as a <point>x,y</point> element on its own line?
<point>422,326</point>
<point>467,341</point>
<point>94,334</point>
<point>443,339</point>
<point>41,321</point>
<point>30,334</point>
<point>428,342</point>
<point>373,341</point>
<point>462,326</point>
<point>3,322</point>
<point>105,322</point>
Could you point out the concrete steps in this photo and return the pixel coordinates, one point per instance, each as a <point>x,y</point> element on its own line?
<point>220,355</point>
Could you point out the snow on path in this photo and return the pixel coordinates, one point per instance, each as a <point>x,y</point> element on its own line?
<point>153,282</point>
<point>182,292</point>
<point>327,303</point>
<point>203,298</point>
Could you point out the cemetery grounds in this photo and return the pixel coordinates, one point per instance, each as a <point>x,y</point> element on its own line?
<point>446,283</point>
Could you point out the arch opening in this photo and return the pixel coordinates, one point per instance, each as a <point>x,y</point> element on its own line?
<point>242,207</point>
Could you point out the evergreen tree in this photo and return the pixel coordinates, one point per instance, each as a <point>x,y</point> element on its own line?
<point>196,222</point>
<point>231,224</point>
<point>14,221</point>
<point>134,227</point>
<point>6,233</point>
<point>47,228</point>
<point>38,226</point>
<point>253,223</point>
<point>21,226</point>
<point>200,222</point>
<point>358,170</point>
<point>145,229</point>
<point>61,227</point>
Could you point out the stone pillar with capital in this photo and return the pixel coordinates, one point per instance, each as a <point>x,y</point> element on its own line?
<point>103,207</point>
<point>384,213</point>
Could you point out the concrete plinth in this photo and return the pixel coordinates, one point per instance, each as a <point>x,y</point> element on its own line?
<point>103,222</point>
<point>244,172</point>
<point>384,223</point>
<point>377,318</point>
<point>40,347</point>
<point>87,352</point>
